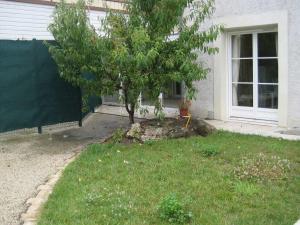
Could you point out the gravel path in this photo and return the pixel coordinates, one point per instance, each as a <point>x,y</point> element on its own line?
<point>26,161</point>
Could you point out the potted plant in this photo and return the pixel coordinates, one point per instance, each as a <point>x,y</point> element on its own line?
<point>184,106</point>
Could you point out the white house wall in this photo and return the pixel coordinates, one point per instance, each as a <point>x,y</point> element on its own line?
<point>26,21</point>
<point>292,7</point>
<point>205,104</point>
<point>294,63</point>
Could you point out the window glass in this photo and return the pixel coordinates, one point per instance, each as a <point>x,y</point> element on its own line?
<point>268,70</point>
<point>242,70</point>
<point>242,95</point>
<point>243,74</point>
<point>268,96</point>
<point>268,44</point>
<point>242,46</point>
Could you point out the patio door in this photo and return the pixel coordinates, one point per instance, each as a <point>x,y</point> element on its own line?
<point>254,76</point>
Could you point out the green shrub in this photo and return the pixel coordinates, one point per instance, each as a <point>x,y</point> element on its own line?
<point>172,210</point>
<point>209,150</point>
<point>117,136</point>
<point>262,167</point>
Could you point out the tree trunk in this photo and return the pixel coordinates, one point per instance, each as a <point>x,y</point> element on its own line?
<point>130,110</point>
<point>131,116</point>
<point>131,113</point>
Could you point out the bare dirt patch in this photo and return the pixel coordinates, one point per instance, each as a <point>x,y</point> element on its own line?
<point>156,129</point>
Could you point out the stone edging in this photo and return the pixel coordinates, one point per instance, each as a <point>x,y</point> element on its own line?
<point>30,217</point>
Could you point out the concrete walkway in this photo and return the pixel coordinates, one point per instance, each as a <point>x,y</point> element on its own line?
<point>256,129</point>
<point>121,111</point>
<point>28,160</point>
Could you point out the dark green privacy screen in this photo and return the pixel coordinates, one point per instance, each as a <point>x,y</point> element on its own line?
<point>31,92</point>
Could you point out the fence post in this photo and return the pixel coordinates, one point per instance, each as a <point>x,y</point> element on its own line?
<point>80,108</point>
<point>36,76</point>
<point>40,130</point>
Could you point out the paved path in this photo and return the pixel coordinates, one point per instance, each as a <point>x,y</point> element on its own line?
<point>26,161</point>
<point>257,129</point>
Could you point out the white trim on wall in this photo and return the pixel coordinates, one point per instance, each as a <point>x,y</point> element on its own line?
<point>277,19</point>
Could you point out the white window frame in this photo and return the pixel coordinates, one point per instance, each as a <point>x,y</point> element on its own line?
<point>253,112</point>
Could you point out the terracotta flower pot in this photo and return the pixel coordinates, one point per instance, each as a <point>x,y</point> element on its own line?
<point>184,112</point>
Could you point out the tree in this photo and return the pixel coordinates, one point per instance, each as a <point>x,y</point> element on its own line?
<point>133,51</point>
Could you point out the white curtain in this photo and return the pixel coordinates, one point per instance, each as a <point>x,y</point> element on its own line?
<point>236,53</point>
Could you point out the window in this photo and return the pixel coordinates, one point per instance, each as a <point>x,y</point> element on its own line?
<point>255,70</point>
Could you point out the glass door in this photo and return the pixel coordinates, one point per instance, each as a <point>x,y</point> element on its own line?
<point>254,76</point>
<point>267,70</point>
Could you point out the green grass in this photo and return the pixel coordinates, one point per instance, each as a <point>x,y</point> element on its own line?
<point>124,184</point>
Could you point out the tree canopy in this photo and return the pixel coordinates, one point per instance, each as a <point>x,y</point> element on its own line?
<point>149,45</point>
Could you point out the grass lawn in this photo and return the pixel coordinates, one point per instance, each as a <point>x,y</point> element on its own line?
<point>124,184</point>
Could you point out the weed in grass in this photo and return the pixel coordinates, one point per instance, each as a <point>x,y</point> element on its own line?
<point>262,167</point>
<point>115,203</point>
<point>209,150</point>
<point>246,188</point>
<point>172,210</point>
<point>276,146</point>
<point>149,142</point>
<point>92,199</point>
